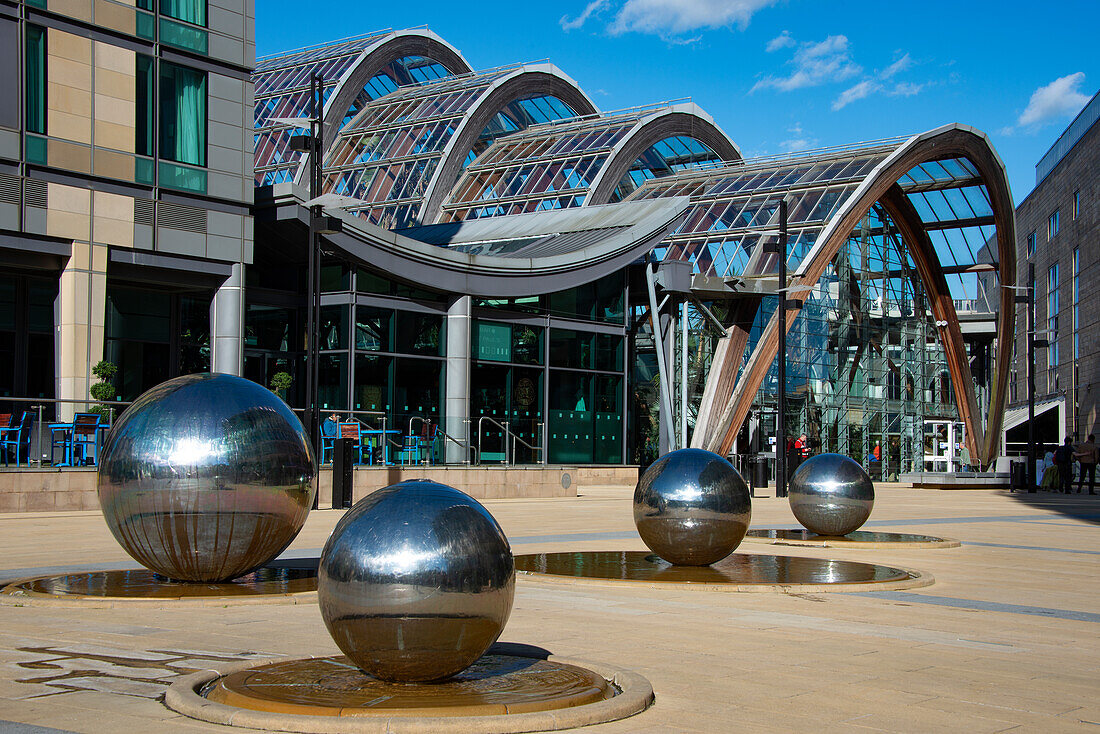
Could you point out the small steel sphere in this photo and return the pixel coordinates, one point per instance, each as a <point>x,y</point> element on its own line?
<point>206,477</point>
<point>830,494</point>
<point>692,508</point>
<point>416,582</point>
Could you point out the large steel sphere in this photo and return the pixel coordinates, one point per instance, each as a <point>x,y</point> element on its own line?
<point>831,495</point>
<point>692,508</point>
<point>206,477</point>
<point>416,582</point>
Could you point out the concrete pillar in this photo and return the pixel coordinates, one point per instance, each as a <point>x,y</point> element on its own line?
<point>457,399</point>
<point>227,324</point>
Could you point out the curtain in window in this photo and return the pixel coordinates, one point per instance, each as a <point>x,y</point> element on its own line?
<point>191,11</point>
<point>36,80</point>
<point>143,133</point>
<point>182,114</point>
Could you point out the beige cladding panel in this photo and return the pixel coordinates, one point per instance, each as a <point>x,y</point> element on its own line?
<point>112,221</point>
<point>69,213</point>
<point>115,95</point>
<point>69,85</point>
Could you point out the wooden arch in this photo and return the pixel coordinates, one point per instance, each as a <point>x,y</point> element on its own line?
<point>952,141</point>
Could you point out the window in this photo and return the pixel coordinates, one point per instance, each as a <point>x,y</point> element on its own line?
<point>1076,204</point>
<point>1052,225</point>
<point>1031,244</point>
<point>1052,327</point>
<point>1076,301</point>
<point>145,125</point>
<point>35,81</point>
<point>190,11</point>
<point>182,114</point>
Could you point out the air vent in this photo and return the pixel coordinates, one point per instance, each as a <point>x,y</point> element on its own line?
<point>177,216</point>
<point>37,193</point>
<point>143,212</point>
<point>9,189</point>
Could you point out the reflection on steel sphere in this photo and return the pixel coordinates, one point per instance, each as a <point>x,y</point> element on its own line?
<point>206,477</point>
<point>830,494</point>
<point>416,582</point>
<point>692,508</point>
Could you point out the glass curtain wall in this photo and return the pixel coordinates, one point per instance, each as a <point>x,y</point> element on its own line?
<point>26,339</point>
<point>153,335</point>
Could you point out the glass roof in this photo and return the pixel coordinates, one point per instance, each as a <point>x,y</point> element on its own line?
<point>282,90</point>
<point>735,208</point>
<point>388,154</point>
<point>552,166</point>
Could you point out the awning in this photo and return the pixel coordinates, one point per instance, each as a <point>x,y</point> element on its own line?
<point>1018,416</point>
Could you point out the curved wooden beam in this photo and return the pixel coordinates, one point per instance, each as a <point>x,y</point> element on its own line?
<point>949,142</point>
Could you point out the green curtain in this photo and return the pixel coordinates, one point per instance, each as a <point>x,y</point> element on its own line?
<point>35,85</point>
<point>182,114</point>
<point>191,11</point>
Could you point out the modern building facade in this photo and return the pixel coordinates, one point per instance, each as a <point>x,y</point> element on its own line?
<point>125,186</point>
<point>541,281</point>
<point>1058,227</point>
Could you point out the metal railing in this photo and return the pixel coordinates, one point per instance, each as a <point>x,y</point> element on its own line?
<point>509,455</point>
<point>39,405</point>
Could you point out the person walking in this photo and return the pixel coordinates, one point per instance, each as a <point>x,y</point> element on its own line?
<point>1063,459</point>
<point>1087,454</point>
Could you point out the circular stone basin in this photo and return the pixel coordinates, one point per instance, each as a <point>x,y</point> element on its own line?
<point>144,585</point>
<point>500,692</point>
<point>737,572</point>
<point>857,539</point>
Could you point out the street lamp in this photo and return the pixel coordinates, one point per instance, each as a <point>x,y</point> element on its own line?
<point>1028,298</point>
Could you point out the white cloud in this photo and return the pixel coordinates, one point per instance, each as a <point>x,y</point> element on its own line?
<point>798,141</point>
<point>815,64</point>
<point>906,89</point>
<point>900,65</point>
<point>670,18</point>
<point>865,88</point>
<point>783,40</point>
<point>592,7</point>
<point>1060,98</point>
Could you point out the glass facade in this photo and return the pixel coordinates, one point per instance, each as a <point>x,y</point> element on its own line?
<point>34,83</point>
<point>152,336</point>
<point>26,338</point>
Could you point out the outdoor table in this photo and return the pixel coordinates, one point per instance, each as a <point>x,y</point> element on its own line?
<point>66,430</point>
<point>367,432</point>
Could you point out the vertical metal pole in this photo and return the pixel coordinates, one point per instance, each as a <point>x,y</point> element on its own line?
<point>1031,377</point>
<point>318,146</point>
<point>683,374</point>
<point>781,354</point>
<point>311,397</point>
<point>664,396</point>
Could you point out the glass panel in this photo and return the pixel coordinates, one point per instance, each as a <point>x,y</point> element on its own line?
<point>372,329</point>
<point>609,352</point>
<point>372,380</point>
<point>527,344</point>
<point>335,277</point>
<point>182,36</point>
<point>334,327</point>
<point>269,327</point>
<point>607,430</point>
<point>419,333</point>
<point>145,126</point>
<point>182,114</point>
<point>570,418</point>
<point>571,348</point>
<point>332,379</point>
<point>418,390</point>
<point>192,11</point>
<point>194,336</point>
<point>182,177</point>
<point>35,81</point>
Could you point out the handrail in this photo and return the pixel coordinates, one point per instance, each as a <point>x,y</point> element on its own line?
<point>469,447</point>
<point>508,455</point>
<point>40,403</point>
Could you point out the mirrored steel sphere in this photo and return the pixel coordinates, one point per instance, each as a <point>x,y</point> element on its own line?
<point>692,508</point>
<point>206,477</point>
<point>416,582</point>
<point>830,494</point>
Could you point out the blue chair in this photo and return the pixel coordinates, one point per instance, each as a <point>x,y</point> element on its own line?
<point>17,437</point>
<point>330,431</point>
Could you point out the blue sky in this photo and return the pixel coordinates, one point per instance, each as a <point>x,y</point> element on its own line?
<point>777,75</point>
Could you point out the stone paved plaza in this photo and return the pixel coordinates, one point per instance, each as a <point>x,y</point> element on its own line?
<point>1008,638</point>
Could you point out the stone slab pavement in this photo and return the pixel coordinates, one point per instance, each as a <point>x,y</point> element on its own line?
<point>1008,638</point>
